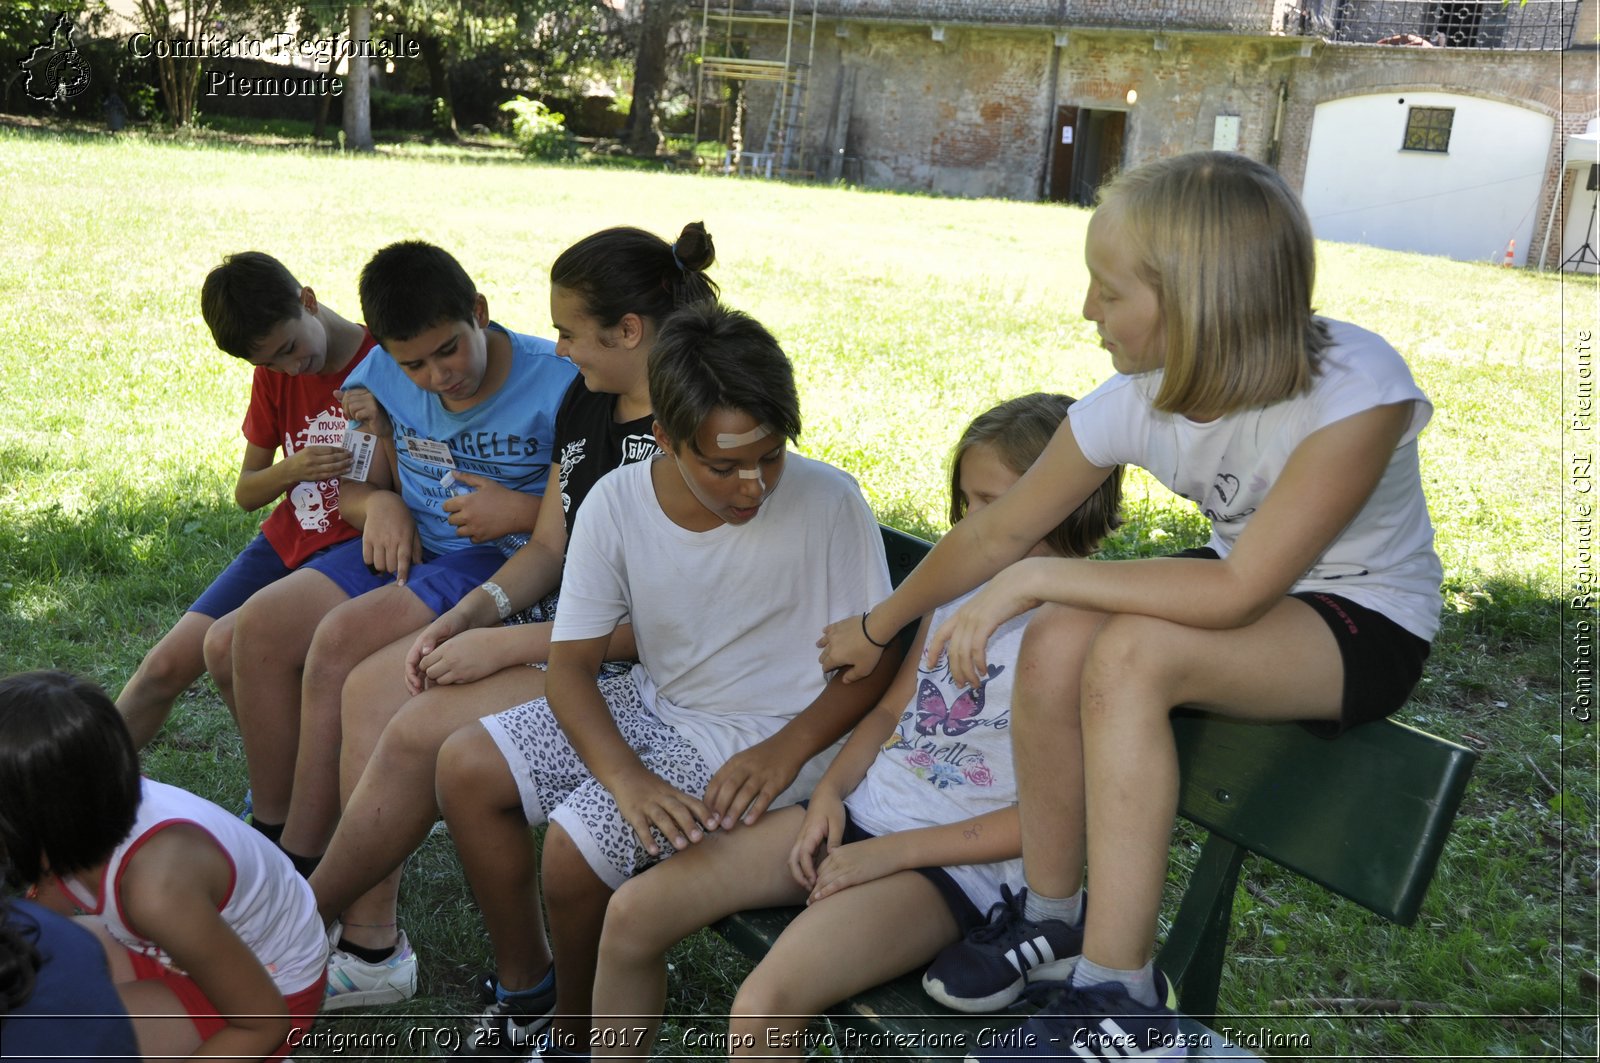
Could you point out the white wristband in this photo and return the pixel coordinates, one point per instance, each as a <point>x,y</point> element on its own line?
<point>502,603</point>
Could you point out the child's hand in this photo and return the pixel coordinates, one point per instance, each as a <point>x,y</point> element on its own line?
<point>359,405</point>
<point>845,645</point>
<point>389,539</point>
<point>465,658</point>
<point>748,782</point>
<point>490,510</point>
<point>853,864</point>
<point>964,637</point>
<point>446,627</point>
<point>316,463</point>
<point>647,801</point>
<point>820,833</point>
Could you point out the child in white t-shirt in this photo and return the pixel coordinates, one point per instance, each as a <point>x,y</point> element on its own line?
<point>719,552</point>
<point>909,836</point>
<point>1315,600</point>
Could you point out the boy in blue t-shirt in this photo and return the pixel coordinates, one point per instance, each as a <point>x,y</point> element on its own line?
<point>302,352</point>
<point>463,403</point>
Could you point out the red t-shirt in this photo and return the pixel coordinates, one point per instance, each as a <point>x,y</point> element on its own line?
<point>291,412</point>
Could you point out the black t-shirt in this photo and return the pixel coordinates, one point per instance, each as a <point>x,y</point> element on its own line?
<point>590,444</point>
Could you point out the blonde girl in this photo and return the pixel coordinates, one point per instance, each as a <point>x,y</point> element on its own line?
<point>1315,600</point>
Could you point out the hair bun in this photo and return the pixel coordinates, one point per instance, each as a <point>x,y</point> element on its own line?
<point>693,250</point>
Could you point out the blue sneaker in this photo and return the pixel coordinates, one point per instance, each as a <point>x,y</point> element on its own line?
<point>1098,1022</point>
<point>247,813</point>
<point>989,969</point>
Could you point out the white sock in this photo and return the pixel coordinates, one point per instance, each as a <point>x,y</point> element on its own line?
<point>1140,984</point>
<point>1069,910</point>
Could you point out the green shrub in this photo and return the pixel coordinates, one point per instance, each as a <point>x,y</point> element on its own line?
<point>539,131</point>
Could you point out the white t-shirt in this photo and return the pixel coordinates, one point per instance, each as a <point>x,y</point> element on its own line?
<point>1383,560</point>
<point>725,620</point>
<point>950,758</point>
<point>269,906</point>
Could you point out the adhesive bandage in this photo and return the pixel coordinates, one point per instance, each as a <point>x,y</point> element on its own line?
<point>749,474</point>
<point>728,441</point>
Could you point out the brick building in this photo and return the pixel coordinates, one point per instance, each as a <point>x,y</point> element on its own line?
<point>1425,125</point>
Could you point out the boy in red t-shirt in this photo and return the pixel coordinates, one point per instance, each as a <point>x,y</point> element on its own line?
<point>302,352</point>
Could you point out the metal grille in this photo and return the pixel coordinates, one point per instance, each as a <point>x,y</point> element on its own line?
<point>1537,25</point>
<point>1428,129</point>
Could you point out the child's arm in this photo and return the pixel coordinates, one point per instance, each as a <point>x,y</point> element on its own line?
<point>262,480</point>
<point>751,779</point>
<point>492,510</point>
<point>644,798</point>
<point>823,827</point>
<point>1324,484</point>
<point>389,538</point>
<point>982,839</point>
<point>528,574</point>
<point>977,547</point>
<point>171,893</point>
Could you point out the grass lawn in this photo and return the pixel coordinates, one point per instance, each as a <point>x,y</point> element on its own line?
<point>904,315</point>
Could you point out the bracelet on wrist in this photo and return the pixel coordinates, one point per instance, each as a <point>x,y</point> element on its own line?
<point>868,635</point>
<point>502,603</point>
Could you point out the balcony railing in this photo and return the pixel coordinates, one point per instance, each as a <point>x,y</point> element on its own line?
<point>1546,25</point>
<point>1537,25</point>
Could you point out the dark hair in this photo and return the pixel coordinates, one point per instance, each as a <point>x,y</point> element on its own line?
<point>709,357</point>
<point>409,287</point>
<point>245,298</point>
<point>69,776</point>
<point>1019,429</point>
<point>629,271</point>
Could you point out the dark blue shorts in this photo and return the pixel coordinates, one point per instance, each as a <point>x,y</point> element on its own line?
<point>256,566</point>
<point>439,582</point>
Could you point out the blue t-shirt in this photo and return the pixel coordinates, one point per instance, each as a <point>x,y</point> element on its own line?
<point>74,1010</point>
<point>507,437</point>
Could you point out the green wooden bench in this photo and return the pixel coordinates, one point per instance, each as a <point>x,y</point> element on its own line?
<point>1364,815</point>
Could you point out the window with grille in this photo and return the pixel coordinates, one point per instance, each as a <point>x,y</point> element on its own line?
<point>1428,129</point>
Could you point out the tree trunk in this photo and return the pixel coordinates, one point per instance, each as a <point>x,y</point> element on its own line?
<point>642,135</point>
<point>358,90</point>
<point>439,79</point>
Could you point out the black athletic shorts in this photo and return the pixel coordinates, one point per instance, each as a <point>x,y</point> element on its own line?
<point>1382,660</point>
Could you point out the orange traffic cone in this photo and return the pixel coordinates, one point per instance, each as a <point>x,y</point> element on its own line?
<point>1511,252</point>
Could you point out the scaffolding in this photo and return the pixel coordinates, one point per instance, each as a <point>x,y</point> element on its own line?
<point>725,38</point>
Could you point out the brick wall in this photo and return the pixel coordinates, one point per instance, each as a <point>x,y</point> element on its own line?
<point>972,115</point>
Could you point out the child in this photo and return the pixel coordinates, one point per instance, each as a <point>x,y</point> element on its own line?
<point>609,293</point>
<point>51,968</point>
<point>464,398</point>
<point>921,798</point>
<point>212,939</point>
<point>302,352</point>
<point>717,552</point>
<point>1315,600</point>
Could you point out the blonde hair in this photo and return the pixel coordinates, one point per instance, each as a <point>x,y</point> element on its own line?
<point>1228,249</point>
<point>1018,430</point>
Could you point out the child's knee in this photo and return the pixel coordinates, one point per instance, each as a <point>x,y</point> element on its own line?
<point>764,993</point>
<point>218,649</point>
<point>634,926</point>
<point>563,869</point>
<point>468,768</point>
<point>1128,652</point>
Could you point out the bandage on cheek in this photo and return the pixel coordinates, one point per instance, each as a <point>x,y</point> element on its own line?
<point>726,441</point>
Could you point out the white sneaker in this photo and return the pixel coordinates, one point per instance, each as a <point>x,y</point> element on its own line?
<point>354,983</point>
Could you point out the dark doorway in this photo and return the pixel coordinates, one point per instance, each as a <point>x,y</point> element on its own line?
<point>1086,151</point>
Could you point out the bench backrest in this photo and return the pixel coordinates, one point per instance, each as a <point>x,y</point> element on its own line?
<point>1365,815</point>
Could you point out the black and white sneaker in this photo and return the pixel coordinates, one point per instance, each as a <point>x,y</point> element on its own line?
<point>509,1029</point>
<point>989,969</point>
<point>1100,1022</point>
